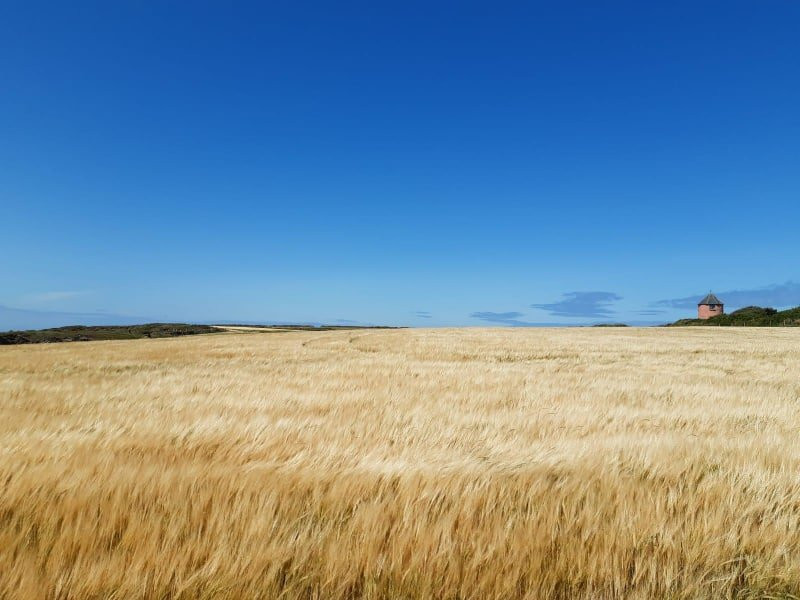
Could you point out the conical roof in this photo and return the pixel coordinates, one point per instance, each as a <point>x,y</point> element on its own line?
<point>710,299</point>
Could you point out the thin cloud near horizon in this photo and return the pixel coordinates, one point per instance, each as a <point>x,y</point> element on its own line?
<point>774,295</point>
<point>593,304</point>
<point>22,318</point>
<point>511,318</point>
<point>55,296</point>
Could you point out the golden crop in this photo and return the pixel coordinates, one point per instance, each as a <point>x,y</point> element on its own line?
<point>470,464</point>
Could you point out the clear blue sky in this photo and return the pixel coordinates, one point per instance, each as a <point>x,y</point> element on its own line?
<point>404,163</point>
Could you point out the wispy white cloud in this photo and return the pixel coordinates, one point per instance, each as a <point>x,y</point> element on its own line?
<point>21,318</point>
<point>55,296</point>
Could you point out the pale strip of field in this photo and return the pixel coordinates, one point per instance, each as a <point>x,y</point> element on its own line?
<point>245,328</point>
<point>524,463</point>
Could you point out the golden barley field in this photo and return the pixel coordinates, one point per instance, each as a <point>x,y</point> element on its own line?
<point>452,463</point>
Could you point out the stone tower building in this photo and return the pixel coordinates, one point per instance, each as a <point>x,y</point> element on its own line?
<point>710,306</point>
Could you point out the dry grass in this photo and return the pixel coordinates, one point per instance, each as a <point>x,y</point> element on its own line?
<point>404,464</point>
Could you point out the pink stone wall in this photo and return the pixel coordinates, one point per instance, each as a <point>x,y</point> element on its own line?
<point>705,311</point>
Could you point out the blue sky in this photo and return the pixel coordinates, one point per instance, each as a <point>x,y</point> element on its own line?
<point>399,163</point>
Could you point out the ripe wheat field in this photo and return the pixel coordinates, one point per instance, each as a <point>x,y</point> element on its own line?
<point>453,464</point>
